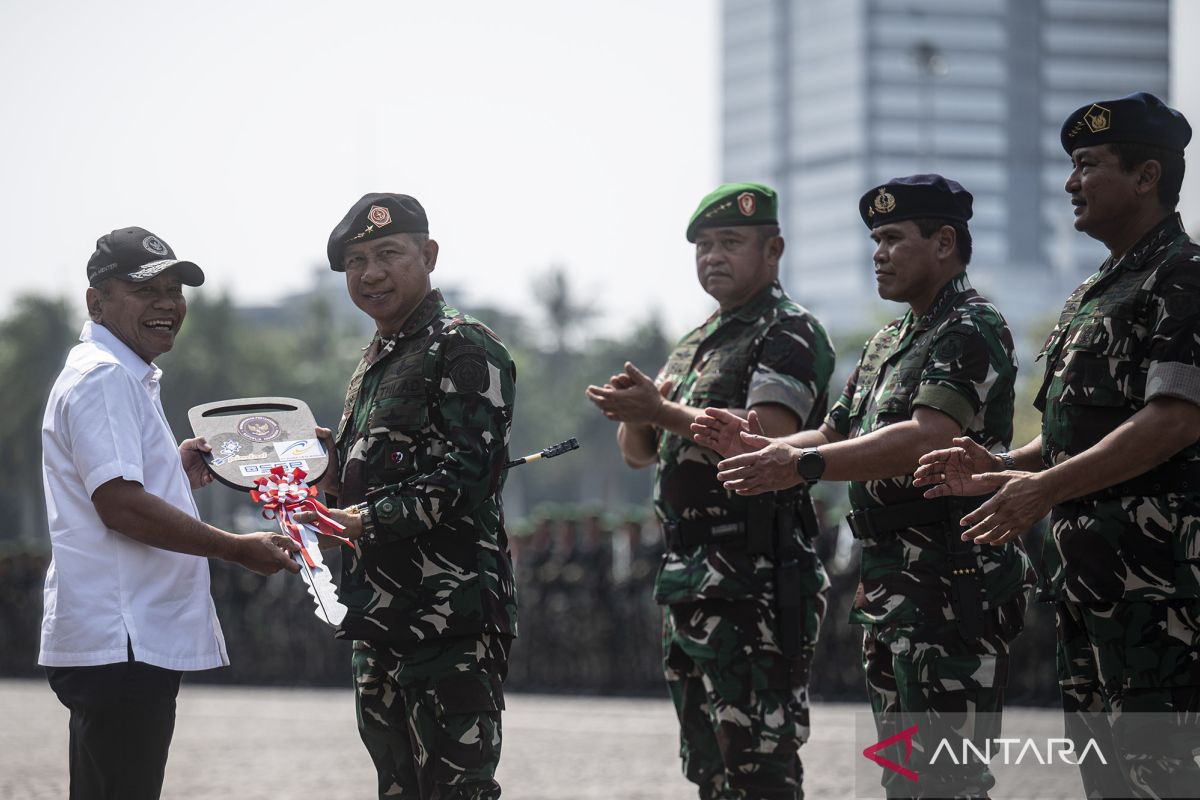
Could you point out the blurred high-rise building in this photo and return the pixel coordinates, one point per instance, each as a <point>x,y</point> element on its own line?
<point>825,98</point>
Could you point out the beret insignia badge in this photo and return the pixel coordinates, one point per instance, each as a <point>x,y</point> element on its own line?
<point>747,204</point>
<point>884,202</point>
<point>154,246</point>
<point>380,216</point>
<point>1098,118</point>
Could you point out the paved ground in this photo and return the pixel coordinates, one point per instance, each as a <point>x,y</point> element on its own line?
<point>261,744</point>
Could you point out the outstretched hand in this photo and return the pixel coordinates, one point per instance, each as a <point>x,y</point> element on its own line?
<point>348,518</point>
<point>266,553</point>
<point>1022,498</point>
<point>769,468</point>
<point>959,471</point>
<point>728,434</point>
<point>630,396</point>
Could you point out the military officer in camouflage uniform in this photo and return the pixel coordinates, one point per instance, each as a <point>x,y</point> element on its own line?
<point>1117,464</point>
<point>743,589</point>
<point>938,614</point>
<point>421,445</point>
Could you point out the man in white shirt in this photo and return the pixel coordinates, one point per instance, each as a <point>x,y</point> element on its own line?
<point>127,602</point>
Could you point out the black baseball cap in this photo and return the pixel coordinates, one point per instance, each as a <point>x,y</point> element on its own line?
<point>136,255</point>
<point>375,215</point>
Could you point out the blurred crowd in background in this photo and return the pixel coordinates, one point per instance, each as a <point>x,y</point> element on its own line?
<point>588,620</point>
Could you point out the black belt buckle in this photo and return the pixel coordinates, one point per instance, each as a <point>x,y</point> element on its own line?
<point>860,524</point>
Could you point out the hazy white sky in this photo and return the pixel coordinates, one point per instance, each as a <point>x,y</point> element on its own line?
<point>535,132</point>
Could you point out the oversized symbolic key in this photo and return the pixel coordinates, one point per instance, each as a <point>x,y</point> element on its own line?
<point>267,446</point>
<point>251,435</point>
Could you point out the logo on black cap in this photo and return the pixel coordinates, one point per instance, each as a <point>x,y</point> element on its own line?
<point>380,216</point>
<point>154,245</point>
<point>884,202</point>
<point>1098,118</point>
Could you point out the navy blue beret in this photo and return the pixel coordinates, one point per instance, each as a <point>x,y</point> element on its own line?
<point>1139,118</point>
<point>915,197</point>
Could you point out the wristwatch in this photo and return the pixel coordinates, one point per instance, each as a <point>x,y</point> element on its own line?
<point>1007,460</point>
<point>367,515</point>
<point>810,465</point>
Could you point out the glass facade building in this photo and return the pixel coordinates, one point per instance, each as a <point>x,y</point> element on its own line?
<point>825,98</point>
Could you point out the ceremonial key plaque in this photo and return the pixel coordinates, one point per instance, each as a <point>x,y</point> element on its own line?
<point>252,435</point>
<point>267,446</point>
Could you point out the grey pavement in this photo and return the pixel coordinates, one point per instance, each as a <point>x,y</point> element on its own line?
<point>249,743</point>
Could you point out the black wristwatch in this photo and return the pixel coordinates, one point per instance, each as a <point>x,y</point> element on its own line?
<point>367,515</point>
<point>810,465</point>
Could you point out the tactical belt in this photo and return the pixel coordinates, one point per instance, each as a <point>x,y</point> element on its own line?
<point>693,532</point>
<point>766,516</point>
<point>1172,477</point>
<point>966,584</point>
<point>876,523</point>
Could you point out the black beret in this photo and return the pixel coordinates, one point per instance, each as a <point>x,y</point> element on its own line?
<point>1139,118</point>
<point>373,216</point>
<point>914,197</point>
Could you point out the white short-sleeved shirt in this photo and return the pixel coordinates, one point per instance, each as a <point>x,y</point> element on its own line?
<point>104,421</point>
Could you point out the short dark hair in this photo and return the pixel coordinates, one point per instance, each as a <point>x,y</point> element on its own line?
<point>928,226</point>
<point>1130,155</point>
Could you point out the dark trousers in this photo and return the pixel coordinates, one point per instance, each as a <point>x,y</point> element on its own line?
<point>122,718</point>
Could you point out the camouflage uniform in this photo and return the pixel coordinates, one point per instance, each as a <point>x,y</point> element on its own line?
<point>742,705</point>
<point>956,358</point>
<point>1123,564</point>
<point>430,593</point>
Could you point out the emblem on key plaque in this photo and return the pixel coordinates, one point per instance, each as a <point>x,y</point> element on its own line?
<point>251,435</point>
<point>267,446</point>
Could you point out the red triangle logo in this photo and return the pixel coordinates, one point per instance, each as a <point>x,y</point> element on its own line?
<point>907,735</point>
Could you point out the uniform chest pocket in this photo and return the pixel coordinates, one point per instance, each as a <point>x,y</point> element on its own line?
<point>897,391</point>
<point>864,385</point>
<point>1112,330</point>
<point>722,377</point>
<point>399,413</point>
<point>1100,358</point>
<point>1093,379</point>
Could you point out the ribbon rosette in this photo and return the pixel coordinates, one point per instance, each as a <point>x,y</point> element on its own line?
<point>282,494</point>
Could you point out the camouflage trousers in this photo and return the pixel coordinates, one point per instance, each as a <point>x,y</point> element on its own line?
<point>1130,679</point>
<point>429,715</point>
<point>930,673</point>
<point>742,705</point>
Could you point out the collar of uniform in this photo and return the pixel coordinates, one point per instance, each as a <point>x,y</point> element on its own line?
<point>957,285</point>
<point>423,314</point>
<point>420,317</point>
<point>1138,256</point>
<point>754,308</point>
<point>103,338</point>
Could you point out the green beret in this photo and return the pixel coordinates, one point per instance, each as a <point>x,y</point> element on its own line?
<point>1139,118</point>
<point>734,204</point>
<point>373,216</point>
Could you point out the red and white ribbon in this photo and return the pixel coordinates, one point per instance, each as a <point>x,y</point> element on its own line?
<point>282,494</point>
